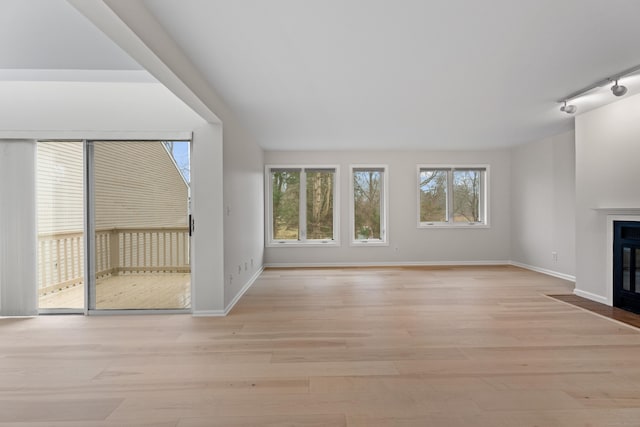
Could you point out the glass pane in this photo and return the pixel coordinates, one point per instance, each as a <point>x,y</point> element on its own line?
<point>466,195</point>
<point>367,198</point>
<point>626,269</point>
<point>320,205</point>
<point>141,198</point>
<point>433,196</point>
<point>286,204</point>
<point>60,201</point>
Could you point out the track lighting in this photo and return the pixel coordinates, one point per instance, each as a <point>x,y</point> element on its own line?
<point>617,89</point>
<point>569,109</point>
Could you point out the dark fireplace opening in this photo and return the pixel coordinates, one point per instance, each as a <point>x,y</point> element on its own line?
<point>626,265</point>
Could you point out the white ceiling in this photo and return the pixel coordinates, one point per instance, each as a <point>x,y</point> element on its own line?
<point>365,74</point>
<point>51,35</point>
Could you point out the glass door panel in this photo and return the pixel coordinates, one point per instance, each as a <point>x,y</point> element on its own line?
<point>140,223</point>
<point>60,219</point>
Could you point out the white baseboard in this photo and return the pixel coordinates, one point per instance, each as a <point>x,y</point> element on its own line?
<point>244,289</point>
<point>209,313</point>
<point>590,296</point>
<point>383,264</point>
<point>544,271</point>
<point>221,313</point>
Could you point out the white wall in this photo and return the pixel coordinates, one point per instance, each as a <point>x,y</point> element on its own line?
<point>414,245</point>
<point>243,211</point>
<point>543,204</point>
<point>207,257</point>
<point>607,176</point>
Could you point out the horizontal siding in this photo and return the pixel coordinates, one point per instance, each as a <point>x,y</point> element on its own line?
<point>59,180</point>
<point>138,185</point>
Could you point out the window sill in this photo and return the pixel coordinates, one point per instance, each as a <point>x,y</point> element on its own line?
<point>365,243</point>
<point>298,244</point>
<point>448,225</point>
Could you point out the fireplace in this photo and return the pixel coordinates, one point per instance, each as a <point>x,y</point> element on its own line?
<point>626,265</point>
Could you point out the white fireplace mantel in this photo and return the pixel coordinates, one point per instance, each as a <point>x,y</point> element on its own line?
<point>627,210</point>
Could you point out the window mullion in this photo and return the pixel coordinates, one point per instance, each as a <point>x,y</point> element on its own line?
<point>450,196</point>
<point>302,222</point>
<point>481,199</point>
<point>383,228</point>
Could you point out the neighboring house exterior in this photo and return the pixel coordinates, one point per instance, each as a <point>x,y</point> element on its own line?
<point>141,210</point>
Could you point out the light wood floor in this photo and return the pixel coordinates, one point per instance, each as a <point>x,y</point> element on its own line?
<point>334,347</point>
<point>128,291</point>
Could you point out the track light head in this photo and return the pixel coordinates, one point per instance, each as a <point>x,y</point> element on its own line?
<point>569,109</point>
<point>618,90</point>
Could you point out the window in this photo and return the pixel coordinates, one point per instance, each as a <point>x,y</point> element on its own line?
<point>452,196</point>
<point>368,204</point>
<point>302,205</point>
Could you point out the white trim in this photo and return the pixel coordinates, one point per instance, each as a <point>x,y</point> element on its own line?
<point>136,311</point>
<point>369,242</point>
<point>209,313</point>
<point>47,311</point>
<point>305,244</point>
<point>544,271</point>
<point>387,264</point>
<point>155,52</point>
<point>590,296</point>
<point>427,225</point>
<point>70,75</point>
<point>97,135</point>
<point>302,242</point>
<point>629,210</point>
<point>484,196</point>
<point>234,301</point>
<point>384,220</point>
<point>244,289</point>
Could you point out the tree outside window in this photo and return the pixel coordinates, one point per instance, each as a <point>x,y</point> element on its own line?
<point>286,205</point>
<point>368,204</point>
<point>452,195</point>
<point>433,195</point>
<point>319,204</point>
<point>466,195</point>
<point>302,204</point>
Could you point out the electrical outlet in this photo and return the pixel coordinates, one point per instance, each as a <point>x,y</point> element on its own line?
<point>245,266</point>
<point>554,256</point>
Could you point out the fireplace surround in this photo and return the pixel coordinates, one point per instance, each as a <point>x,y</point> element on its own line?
<point>626,265</point>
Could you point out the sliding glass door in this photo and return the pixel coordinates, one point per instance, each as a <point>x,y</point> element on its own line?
<point>60,220</point>
<point>130,200</point>
<point>140,225</point>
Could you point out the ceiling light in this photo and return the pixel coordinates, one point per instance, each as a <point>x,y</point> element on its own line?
<point>617,89</point>
<point>569,109</point>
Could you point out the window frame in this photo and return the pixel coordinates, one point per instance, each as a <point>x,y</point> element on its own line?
<point>484,196</point>
<point>384,208</point>
<point>302,223</point>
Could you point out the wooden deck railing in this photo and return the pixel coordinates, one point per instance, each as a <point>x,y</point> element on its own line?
<point>118,250</point>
